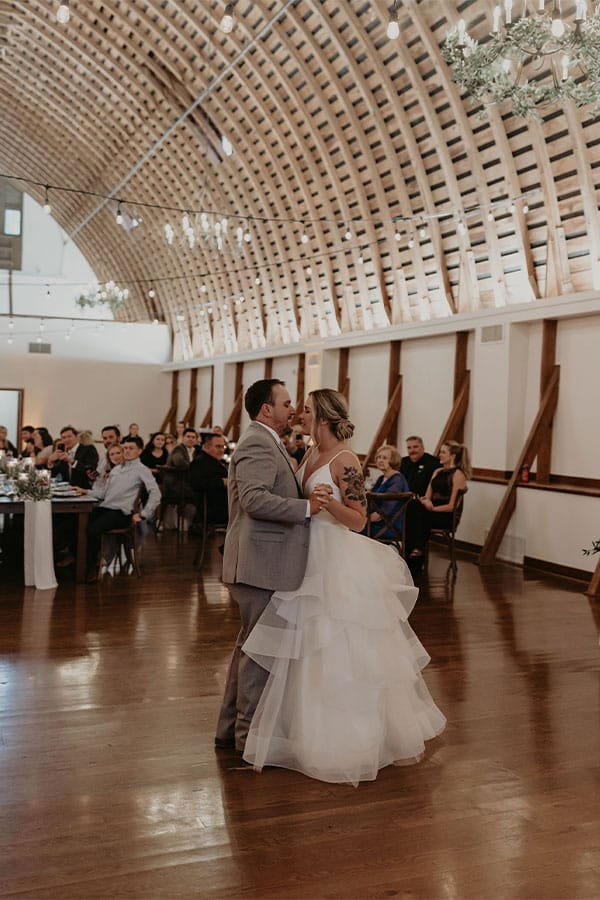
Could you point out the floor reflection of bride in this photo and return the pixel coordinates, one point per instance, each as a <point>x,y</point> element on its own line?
<point>345,696</point>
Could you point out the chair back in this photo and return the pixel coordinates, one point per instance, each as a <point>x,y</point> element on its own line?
<point>391,507</point>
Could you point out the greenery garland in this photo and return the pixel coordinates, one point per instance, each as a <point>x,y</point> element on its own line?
<point>478,68</point>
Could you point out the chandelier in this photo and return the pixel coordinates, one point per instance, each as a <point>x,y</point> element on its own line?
<point>531,58</point>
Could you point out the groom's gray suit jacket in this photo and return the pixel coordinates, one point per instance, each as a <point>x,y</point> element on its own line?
<point>267,540</point>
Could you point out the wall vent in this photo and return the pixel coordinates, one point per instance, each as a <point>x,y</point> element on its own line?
<point>492,334</point>
<point>40,348</point>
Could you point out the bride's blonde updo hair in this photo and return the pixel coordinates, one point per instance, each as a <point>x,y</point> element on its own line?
<point>330,406</point>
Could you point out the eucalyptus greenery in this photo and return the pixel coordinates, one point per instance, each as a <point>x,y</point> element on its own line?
<point>30,485</point>
<point>479,69</point>
<point>589,551</point>
<point>109,295</point>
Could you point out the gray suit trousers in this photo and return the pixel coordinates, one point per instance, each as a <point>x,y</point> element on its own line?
<point>245,678</point>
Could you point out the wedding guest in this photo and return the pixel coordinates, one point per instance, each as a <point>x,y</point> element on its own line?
<point>440,497</point>
<point>114,457</point>
<point>133,431</point>
<point>155,453</point>
<point>86,438</point>
<point>42,444</point>
<point>73,461</point>
<point>179,430</point>
<point>418,466</point>
<point>391,481</point>
<point>208,476</point>
<point>118,495</point>
<point>27,440</point>
<point>5,444</point>
<point>170,441</point>
<point>111,435</point>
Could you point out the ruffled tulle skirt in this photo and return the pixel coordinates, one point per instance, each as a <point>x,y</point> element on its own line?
<point>345,696</point>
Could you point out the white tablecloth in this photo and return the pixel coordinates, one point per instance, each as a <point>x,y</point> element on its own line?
<point>39,557</point>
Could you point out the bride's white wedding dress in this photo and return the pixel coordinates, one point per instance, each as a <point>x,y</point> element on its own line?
<point>345,696</point>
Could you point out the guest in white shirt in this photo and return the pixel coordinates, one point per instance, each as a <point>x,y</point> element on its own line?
<point>118,495</point>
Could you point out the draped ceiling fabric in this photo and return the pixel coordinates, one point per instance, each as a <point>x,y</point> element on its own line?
<point>334,127</point>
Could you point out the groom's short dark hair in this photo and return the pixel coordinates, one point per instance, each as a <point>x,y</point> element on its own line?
<point>258,393</point>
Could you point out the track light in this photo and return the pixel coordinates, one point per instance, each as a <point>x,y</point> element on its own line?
<point>226,24</point>
<point>63,13</point>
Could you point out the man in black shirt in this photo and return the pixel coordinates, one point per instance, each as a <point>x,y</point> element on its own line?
<point>418,466</point>
<point>208,475</point>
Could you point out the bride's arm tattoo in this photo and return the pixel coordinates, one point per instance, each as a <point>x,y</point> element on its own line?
<point>355,485</point>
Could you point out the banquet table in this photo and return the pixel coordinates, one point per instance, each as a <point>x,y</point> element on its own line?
<point>81,506</point>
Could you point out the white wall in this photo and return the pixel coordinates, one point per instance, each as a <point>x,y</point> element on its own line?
<point>368,373</point>
<point>88,393</point>
<point>427,368</point>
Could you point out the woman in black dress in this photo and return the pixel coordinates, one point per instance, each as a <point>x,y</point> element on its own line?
<point>155,453</point>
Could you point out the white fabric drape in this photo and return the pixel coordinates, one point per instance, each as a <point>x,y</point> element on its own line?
<point>39,562</point>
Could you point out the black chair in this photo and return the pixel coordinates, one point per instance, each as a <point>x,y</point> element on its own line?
<point>207,529</point>
<point>393,522</point>
<point>176,493</point>
<point>447,535</point>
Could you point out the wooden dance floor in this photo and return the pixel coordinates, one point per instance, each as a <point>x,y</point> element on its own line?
<point>111,787</point>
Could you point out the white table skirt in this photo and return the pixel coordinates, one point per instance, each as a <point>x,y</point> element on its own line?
<point>39,557</point>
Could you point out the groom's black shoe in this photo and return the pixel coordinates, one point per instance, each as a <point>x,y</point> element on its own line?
<point>224,743</point>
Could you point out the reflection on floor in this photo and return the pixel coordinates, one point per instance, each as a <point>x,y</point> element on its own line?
<point>111,787</point>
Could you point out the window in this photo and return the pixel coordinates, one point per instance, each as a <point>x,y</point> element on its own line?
<point>12,222</point>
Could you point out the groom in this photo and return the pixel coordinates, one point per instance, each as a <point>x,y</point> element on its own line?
<point>266,543</point>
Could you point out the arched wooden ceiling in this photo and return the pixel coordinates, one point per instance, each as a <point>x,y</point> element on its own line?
<point>334,127</point>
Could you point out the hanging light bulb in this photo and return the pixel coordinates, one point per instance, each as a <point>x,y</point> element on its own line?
<point>63,13</point>
<point>226,24</point>
<point>525,208</point>
<point>47,207</point>
<point>257,280</point>
<point>9,340</point>
<point>360,260</point>
<point>11,324</point>
<point>411,243</point>
<point>119,216</point>
<point>393,28</point>
<point>422,231</point>
<point>304,239</point>
<point>348,234</point>
<point>152,293</point>
<point>398,235</point>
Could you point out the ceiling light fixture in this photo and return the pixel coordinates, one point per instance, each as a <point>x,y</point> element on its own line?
<point>531,59</point>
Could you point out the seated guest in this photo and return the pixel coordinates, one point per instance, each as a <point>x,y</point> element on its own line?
<point>42,445</point>
<point>186,451</point>
<point>391,481</point>
<point>441,496</point>
<point>208,475</point>
<point>155,453</point>
<point>114,457</point>
<point>179,430</point>
<point>27,441</point>
<point>111,435</point>
<point>298,447</point>
<point>134,431</point>
<point>86,437</point>
<point>170,441</point>
<point>118,495</point>
<point>176,486</point>
<point>418,466</point>
<point>72,461</point>
<point>5,444</point>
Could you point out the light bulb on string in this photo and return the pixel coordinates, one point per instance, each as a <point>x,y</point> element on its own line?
<point>525,208</point>
<point>227,22</point>
<point>422,231</point>
<point>461,227</point>
<point>411,243</point>
<point>247,233</point>
<point>257,280</point>
<point>63,13</point>
<point>11,324</point>
<point>119,216</point>
<point>393,27</point>
<point>397,235</point>
<point>47,207</point>
<point>348,234</point>
<point>152,293</point>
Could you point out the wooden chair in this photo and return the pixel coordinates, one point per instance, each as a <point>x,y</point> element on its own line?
<point>176,494</point>
<point>116,544</point>
<point>392,522</point>
<point>447,535</point>
<point>207,530</point>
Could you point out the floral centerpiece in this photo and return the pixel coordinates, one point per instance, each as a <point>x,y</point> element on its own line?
<point>31,484</point>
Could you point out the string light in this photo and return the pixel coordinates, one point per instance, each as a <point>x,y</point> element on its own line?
<point>47,207</point>
<point>119,216</point>
<point>227,22</point>
<point>63,13</point>
<point>393,28</point>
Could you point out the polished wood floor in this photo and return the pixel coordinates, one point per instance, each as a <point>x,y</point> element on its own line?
<point>111,787</point>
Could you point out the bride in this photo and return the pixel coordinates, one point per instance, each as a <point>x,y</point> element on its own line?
<point>345,696</point>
